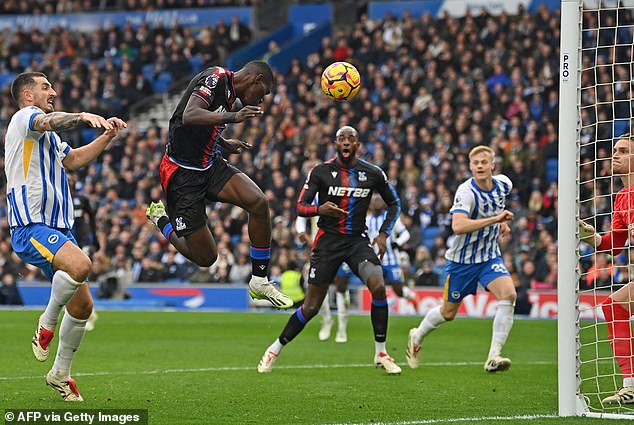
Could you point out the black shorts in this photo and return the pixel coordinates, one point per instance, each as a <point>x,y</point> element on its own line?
<point>187,190</point>
<point>330,250</point>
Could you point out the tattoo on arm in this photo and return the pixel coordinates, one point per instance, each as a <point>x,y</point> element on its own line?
<point>56,121</point>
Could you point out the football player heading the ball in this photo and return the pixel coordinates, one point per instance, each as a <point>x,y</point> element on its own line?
<point>193,170</point>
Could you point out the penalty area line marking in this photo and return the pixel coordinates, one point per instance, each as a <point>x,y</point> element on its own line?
<point>253,368</point>
<point>452,420</point>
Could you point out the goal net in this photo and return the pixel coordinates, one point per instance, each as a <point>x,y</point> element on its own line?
<point>597,66</point>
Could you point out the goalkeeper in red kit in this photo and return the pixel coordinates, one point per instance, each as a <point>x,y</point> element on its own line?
<point>618,307</point>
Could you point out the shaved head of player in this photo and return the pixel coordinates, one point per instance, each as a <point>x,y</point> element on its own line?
<point>253,82</point>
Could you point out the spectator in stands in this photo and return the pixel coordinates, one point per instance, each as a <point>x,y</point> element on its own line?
<point>239,33</point>
<point>9,294</point>
<point>241,270</point>
<point>426,275</point>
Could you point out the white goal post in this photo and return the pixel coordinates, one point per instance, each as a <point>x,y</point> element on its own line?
<point>586,369</point>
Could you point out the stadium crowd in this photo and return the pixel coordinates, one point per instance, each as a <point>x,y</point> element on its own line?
<point>40,7</point>
<point>432,89</point>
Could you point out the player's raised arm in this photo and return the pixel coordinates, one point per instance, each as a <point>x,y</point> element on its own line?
<point>82,156</point>
<point>196,113</point>
<point>56,121</point>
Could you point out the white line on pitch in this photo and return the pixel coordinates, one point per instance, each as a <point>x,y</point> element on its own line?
<point>450,420</point>
<point>243,368</point>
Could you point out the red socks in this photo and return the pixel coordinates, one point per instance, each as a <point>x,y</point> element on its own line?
<point>617,318</point>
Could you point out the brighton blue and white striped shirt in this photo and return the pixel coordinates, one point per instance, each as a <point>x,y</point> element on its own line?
<point>37,187</point>
<point>481,245</point>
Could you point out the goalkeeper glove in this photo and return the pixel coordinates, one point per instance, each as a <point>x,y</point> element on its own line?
<point>588,235</point>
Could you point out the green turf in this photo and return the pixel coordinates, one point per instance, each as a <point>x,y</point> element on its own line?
<point>200,368</point>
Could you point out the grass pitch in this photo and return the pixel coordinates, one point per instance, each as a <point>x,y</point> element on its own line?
<point>200,368</point>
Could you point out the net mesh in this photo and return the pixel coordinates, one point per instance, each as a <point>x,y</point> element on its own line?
<point>605,108</point>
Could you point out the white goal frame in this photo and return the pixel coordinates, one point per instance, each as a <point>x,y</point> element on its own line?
<point>571,401</point>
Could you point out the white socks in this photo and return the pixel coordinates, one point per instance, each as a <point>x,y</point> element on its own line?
<point>62,290</point>
<point>379,347</point>
<point>342,310</point>
<point>408,294</point>
<point>628,382</point>
<point>324,310</point>
<point>502,324</point>
<point>71,332</point>
<point>276,347</point>
<point>432,320</point>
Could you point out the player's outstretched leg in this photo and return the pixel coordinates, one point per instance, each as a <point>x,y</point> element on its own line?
<point>294,326</point>
<point>296,323</point>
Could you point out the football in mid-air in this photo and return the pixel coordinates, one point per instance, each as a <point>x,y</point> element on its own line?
<point>340,81</point>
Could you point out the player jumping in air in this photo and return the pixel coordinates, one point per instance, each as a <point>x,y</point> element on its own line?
<point>345,185</point>
<point>617,308</point>
<point>41,214</point>
<point>193,170</point>
<point>478,218</point>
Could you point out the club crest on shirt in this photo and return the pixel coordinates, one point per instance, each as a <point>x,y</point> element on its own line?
<point>362,176</point>
<point>211,81</point>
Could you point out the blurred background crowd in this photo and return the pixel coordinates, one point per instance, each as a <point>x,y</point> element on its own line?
<point>38,7</point>
<point>432,89</point>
